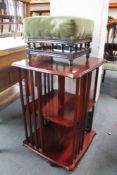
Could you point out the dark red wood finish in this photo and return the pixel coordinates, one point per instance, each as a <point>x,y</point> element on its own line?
<point>55,121</point>
<point>62,69</point>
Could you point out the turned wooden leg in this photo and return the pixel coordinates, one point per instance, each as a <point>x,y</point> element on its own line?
<point>103,77</point>
<point>90,120</point>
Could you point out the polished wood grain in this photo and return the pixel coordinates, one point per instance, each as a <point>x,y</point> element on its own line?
<point>28,105</point>
<point>62,69</point>
<point>58,124</point>
<point>51,104</point>
<point>58,148</point>
<point>40,114</point>
<point>12,50</point>
<point>23,104</point>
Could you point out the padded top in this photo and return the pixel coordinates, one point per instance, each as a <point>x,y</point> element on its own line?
<point>110,65</point>
<point>58,27</point>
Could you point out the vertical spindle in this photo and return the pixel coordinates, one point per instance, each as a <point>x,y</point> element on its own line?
<point>40,116</point>
<point>28,105</point>
<point>23,105</point>
<point>33,108</point>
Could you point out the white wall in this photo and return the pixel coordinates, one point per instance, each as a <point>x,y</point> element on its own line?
<point>93,9</point>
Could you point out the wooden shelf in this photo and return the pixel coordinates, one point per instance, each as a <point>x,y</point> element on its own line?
<point>25,1</point>
<point>59,115</point>
<point>59,151</point>
<point>39,8</point>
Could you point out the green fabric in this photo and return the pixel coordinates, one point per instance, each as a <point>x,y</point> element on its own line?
<point>51,27</point>
<point>110,65</point>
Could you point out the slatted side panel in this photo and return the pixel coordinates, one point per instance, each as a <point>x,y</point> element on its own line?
<point>23,105</point>
<point>27,91</point>
<point>34,88</point>
<point>81,112</point>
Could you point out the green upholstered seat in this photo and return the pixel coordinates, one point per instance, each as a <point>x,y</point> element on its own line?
<point>56,27</point>
<point>110,66</point>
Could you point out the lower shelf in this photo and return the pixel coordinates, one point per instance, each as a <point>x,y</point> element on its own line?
<point>58,142</point>
<point>54,113</point>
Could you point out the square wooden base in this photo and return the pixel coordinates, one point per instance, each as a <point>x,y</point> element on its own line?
<point>59,151</point>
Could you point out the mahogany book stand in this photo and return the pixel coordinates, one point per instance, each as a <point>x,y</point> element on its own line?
<point>58,124</point>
